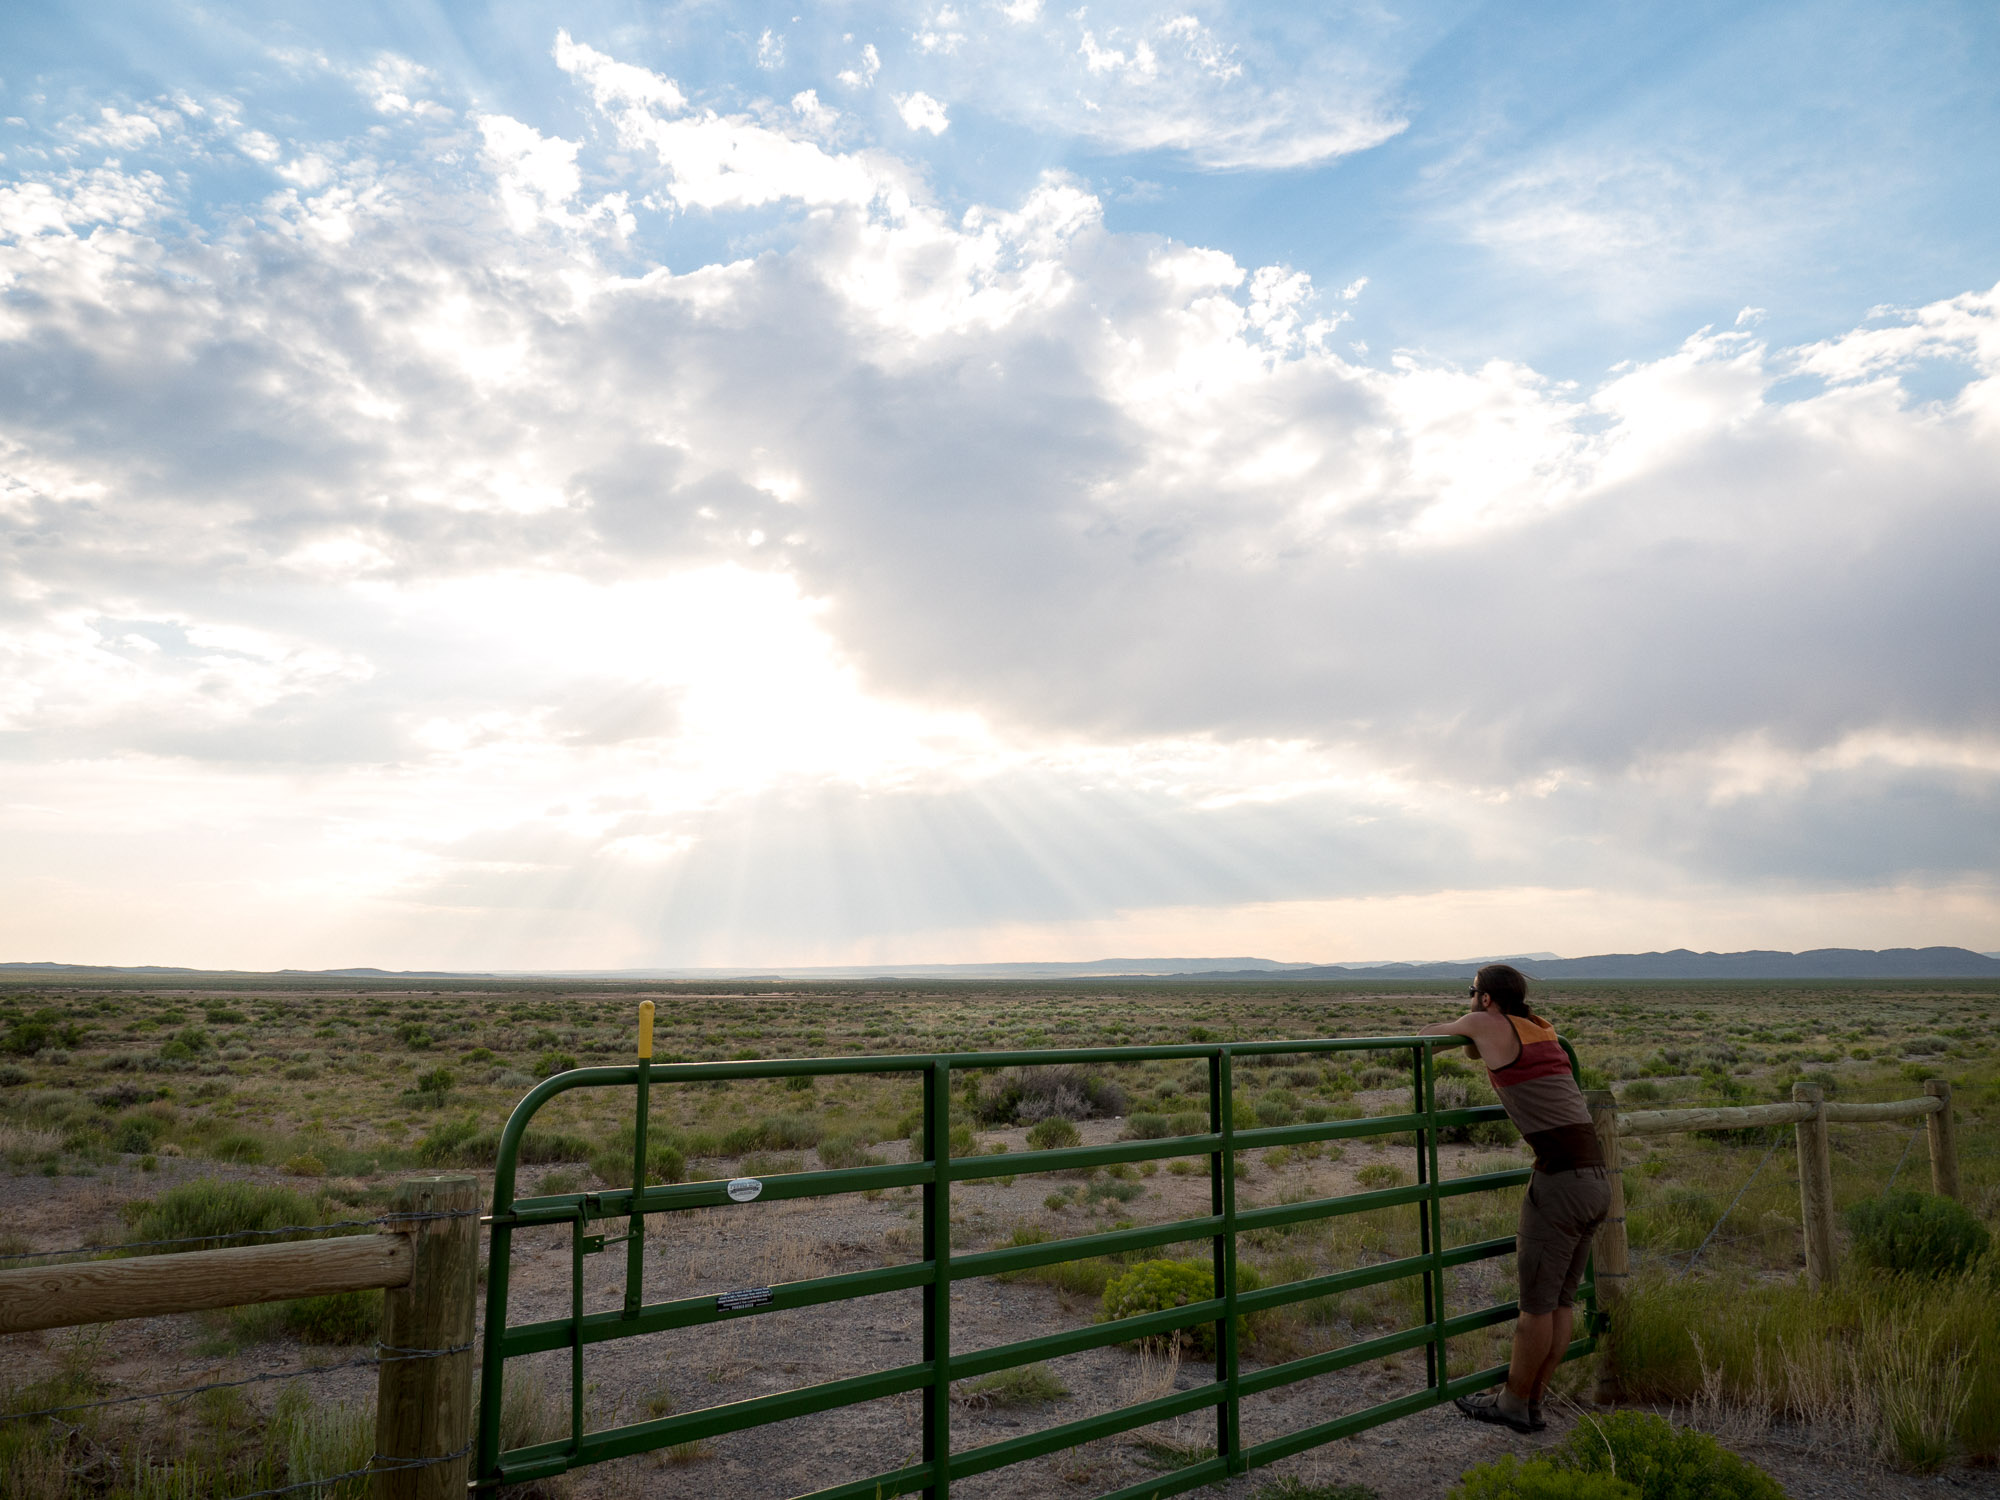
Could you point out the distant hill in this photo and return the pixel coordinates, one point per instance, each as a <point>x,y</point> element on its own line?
<point>1682,963</point>
<point>1109,968</point>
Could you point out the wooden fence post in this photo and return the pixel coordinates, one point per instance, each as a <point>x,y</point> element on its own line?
<point>1816,1187</point>
<point>423,1405</point>
<point>1944,1141</point>
<point>1613,1256</point>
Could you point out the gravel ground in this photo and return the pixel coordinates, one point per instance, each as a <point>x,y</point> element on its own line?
<point>722,1249</point>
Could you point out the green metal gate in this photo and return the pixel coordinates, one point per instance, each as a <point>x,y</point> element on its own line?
<point>934,1274</point>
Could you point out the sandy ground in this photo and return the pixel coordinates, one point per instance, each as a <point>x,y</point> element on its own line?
<point>716,1250</point>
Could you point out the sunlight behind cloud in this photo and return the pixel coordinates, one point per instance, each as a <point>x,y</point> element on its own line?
<point>657,516</point>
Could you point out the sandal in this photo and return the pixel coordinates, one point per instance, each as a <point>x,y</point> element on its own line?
<point>1485,1407</point>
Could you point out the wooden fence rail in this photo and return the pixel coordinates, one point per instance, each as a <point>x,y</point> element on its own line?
<point>104,1291</point>
<point>1810,1111</point>
<point>1664,1121</point>
<point>423,1417</point>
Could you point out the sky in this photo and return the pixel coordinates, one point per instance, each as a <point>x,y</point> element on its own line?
<point>611,485</point>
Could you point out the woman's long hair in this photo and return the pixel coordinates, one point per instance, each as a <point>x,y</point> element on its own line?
<point>1507,986</point>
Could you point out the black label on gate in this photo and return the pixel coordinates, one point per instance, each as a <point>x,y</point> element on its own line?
<point>756,1296</point>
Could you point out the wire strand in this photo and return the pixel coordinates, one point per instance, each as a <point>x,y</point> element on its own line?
<point>182,1393</point>
<point>377,1464</point>
<point>1907,1147</point>
<point>1775,1138</point>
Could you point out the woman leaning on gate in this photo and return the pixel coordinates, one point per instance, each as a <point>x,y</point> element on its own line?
<point>1568,1194</point>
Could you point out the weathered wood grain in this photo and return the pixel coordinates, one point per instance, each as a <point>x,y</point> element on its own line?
<point>106,1290</point>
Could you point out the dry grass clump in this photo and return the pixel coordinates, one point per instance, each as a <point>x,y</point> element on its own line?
<point>219,1443</point>
<point>1909,1366</point>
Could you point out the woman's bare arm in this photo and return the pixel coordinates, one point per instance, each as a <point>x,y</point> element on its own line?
<point>1477,1027</point>
<point>1457,1028</point>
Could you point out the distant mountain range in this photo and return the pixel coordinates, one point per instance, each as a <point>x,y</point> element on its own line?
<point>1681,963</point>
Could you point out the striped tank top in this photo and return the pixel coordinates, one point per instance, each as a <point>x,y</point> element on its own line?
<point>1543,1101</point>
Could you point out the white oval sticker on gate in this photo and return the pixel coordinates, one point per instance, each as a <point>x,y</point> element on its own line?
<point>743,1189</point>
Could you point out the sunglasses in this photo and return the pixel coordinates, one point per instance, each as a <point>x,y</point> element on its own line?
<point>1473,993</point>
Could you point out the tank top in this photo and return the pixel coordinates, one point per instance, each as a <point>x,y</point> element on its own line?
<point>1543,1101</point>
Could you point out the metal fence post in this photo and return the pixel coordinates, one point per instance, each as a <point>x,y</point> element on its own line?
<point>1944,1141</point>
<point>1816,1187</point>
<point>1222,1194</point>
<point>423,1399</point>
<point>1430,1215</point>
<point>1612,1252</point>
<point>937,1296</point>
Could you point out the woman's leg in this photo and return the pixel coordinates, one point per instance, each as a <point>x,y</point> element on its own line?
<point>1560,1324</point>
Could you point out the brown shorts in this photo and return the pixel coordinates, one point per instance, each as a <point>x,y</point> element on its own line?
<point>1559,1214</point>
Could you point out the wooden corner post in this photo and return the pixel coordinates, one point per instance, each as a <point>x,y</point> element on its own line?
<point>1944,1140</point>
<point>423,1401</point>
<point>1816,1187</point>
<point>1612,1253</point>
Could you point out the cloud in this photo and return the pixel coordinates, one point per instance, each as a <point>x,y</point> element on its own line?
<point>862,75</point>
<point>712,160</point>
<point>921,112</point>
<point>1232,88</point>
<point>119,131</point>
<point>916,567</point>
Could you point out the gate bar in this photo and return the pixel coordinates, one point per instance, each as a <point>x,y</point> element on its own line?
<point>933,1277</point>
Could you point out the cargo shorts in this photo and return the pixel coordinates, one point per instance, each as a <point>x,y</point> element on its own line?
<point>1559,1214</point>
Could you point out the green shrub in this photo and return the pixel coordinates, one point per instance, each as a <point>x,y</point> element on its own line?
<point>1024,1385</point>
<point>1188,1122</point>
<point>836,1151</point>
<point>1146,1126</point>
<point>1123,1192</point>
<point>339,1318</point>
<point>1508,1478</point>
<point>1276,1108</point>
<point>1662,1461</point>
<point>1381,1175</point>
<point>551,1063</point>
<point>238,1146</point>
<point>1026,1095</point>
<point>1053,1135</point>
<point>224,1210</point>
<point>455,1143</point>
<point>40,1032</point>
<point>137,1135</point>
<point>960,1143</point>
<point>773,1133</point>
<point>1916,1233</point>
<point>1291,1487</point>
<point>612,1161</point>
<point>538,1146</point>
<point>305,1164</point>
<point>1156,1285</point>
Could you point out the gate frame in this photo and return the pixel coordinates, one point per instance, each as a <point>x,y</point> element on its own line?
<point>935,1272</point>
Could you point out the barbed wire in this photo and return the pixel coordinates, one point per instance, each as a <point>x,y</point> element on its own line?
<point>377,1464</point>
<point>237,1234</point>
<point>1776,1136</point>
<point>181,1393</point>
<point>1907,1147</point>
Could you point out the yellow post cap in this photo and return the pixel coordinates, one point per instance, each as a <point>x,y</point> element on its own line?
<point>645,1028</point>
